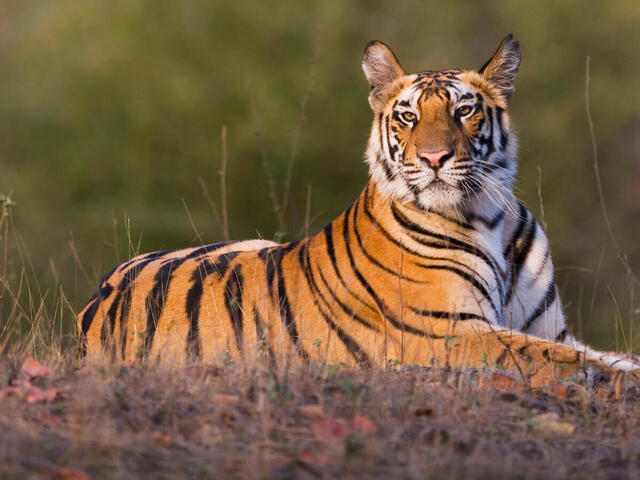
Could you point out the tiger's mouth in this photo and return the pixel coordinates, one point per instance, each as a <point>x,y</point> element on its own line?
<point>433,181</point>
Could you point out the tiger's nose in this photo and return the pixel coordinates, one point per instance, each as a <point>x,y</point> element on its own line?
<point>435,159</point>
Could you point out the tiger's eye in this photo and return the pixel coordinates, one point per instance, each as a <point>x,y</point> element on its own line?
<point>464,111</point>
<point>408,117</point>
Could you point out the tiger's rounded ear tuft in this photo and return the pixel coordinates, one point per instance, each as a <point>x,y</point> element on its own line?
<point>381,68</point>
<point>501,68</point>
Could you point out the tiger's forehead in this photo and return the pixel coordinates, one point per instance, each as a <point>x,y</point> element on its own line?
<point>446,85</point>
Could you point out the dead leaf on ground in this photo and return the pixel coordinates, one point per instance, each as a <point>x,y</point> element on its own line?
<point>32,394</point>
<point>363,426</point>
<point>67,473</point>
<point>499,381</point>
<point>569,390</point>
<point>329,430</point>
<point>307,456</point>
<point>162,439</point>
<point>332,430</point>
<point>222,398</point>
<point>312,411</point>
<point>34,369</point>
<point>35,394</point>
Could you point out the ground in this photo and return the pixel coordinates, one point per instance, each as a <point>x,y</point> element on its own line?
<point>60,419</point>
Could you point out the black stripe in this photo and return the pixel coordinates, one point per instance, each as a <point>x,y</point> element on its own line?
<point>273,259</point>
<point>503,135</point>
<point>143,259</point>
<point>522,217</point>
<point>521,258</point>
<point>562,335</point>
<point>373,259</point>
<point>448,315</point>
<point>155,302</point>
<point>449,242</point>
<point>90,313</point>
<point>542,307</point>
<point>351,313</point>
<point>351,345</point>
<point>489,223</point>
<point>389,237</point>
<point>126,289</point>
<point>384,310</point>
<point>233,302</point>
<point>328,235</point>
<point>471,279</point>
<point>194,297</point>
<point>157,297</point>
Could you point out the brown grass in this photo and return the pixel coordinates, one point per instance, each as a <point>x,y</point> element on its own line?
<point>227,422</point>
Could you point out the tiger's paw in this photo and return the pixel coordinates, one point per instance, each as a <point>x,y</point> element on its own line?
<point>615,361</point>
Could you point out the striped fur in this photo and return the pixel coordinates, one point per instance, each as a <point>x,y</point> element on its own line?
<point>432,264</point>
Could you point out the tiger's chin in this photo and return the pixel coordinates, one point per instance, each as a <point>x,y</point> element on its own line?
<point>441,197</point>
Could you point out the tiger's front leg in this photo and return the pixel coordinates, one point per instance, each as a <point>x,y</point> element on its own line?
<point>474,343</point>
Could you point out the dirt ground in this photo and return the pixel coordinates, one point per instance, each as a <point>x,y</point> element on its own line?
<point>61,421</point>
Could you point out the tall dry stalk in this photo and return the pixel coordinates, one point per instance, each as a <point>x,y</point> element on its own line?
<point>223,182</point>
<point>5,213</point>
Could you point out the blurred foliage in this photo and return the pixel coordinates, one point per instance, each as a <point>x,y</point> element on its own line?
<point>111,111</point>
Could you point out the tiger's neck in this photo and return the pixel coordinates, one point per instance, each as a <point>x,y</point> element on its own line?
<point>481,223</point>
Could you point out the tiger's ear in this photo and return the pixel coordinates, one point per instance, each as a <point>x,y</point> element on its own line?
<point>381,68</point>
<point>501,68</point>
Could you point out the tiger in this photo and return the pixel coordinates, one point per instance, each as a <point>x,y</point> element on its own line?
<point>436,263</point>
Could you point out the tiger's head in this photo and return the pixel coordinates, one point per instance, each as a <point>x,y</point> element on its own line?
<point>442,140</point>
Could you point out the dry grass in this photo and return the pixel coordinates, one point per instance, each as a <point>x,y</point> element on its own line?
<point>227,422</point>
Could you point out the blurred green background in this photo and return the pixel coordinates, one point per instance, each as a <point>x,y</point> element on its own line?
<point>112,110</point>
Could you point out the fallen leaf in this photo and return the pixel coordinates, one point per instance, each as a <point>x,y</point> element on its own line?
<point>34,369</point>
<point>162,439</point>
<point>329,430</point>
<point>35,394</point>
<point>363,426</point>
<point>312,411</point>
<point>569,390</point>
<point>307,456</point>
<point>222,398</point>
<point>499,381</point>
<point>549,422</point>
<point>66,473</point>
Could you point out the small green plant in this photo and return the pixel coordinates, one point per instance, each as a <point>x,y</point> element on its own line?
<point>450,342</point>
<point>393,363</point>
<point>485,359</point>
